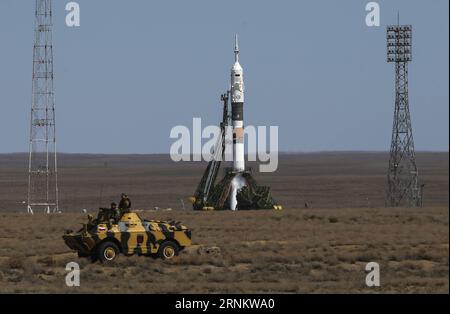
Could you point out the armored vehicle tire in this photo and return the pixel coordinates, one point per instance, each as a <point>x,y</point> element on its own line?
<point>168,250</point>
<point>107,252</point>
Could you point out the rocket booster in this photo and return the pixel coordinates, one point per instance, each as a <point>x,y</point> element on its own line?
<point>237,111</point>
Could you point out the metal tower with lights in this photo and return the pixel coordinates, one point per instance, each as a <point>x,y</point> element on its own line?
<point>42,167</point>
<point>402,183</point>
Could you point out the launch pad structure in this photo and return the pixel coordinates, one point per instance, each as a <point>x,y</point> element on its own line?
<point>210,195</point>
<point>237,190</point>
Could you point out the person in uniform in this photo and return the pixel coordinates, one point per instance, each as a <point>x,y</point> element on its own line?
<point>125,204</point>
<point>114,212</point>
<point>102,215</point>
<point>106,215</point>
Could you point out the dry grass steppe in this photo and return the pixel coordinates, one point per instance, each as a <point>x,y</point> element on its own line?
<point>322,249</point>
<point>292,251</point>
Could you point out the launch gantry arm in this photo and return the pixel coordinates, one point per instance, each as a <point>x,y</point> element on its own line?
<point>209,177</point>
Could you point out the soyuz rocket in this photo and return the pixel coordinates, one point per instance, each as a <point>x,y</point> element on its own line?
<point>237,118</point>
<point>237,111</point>
<point>223,195</point>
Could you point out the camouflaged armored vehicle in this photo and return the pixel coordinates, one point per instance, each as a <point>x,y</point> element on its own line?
<point>105,239</point>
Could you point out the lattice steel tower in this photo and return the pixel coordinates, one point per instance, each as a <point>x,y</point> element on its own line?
<point>42,168</point>
<point>402,185</point>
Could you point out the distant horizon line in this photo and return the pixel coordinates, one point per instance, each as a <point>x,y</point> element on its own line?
<point>280,152</point>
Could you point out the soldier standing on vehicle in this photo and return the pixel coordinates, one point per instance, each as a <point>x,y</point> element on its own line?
<point>114,213</point>
<point>125,204</point>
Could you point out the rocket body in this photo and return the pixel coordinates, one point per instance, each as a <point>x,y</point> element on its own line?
<point>237,118</point>
<point>237,112</point>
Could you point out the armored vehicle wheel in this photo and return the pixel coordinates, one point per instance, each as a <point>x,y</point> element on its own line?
<point>107,252</point>
<point>168,250</point>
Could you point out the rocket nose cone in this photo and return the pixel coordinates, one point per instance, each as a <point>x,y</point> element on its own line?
<point>236,67</point>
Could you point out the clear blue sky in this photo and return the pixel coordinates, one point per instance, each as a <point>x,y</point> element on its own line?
<point>136,68</point>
